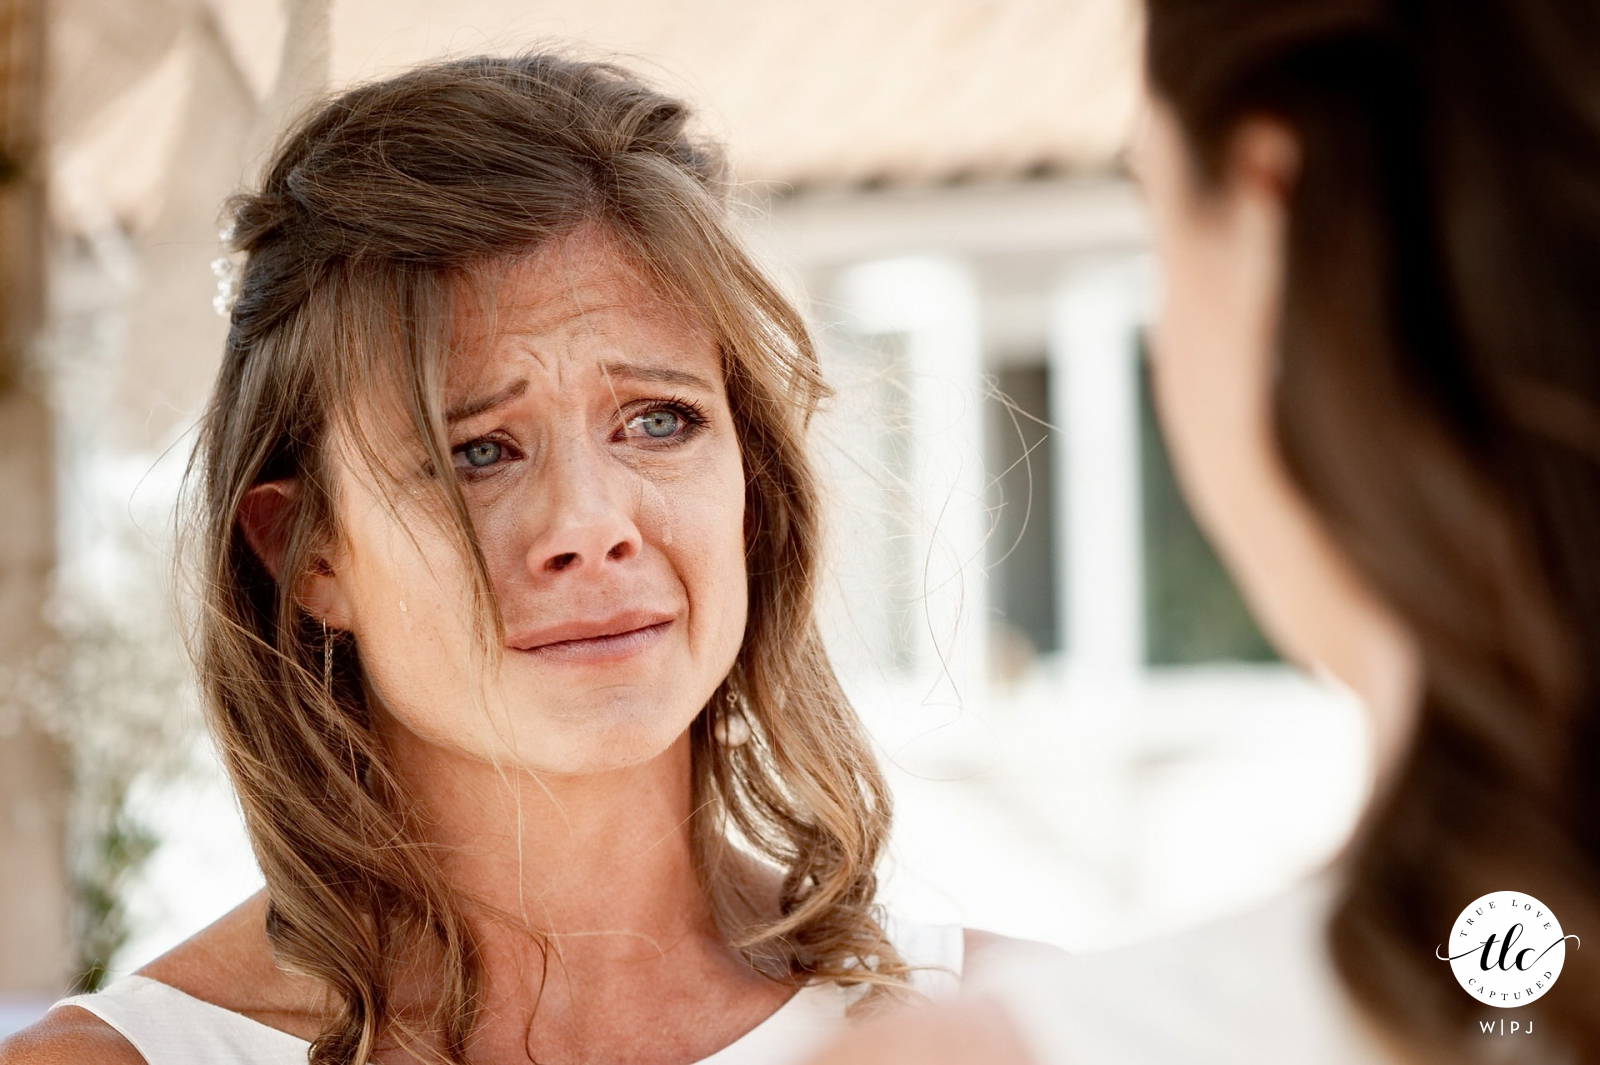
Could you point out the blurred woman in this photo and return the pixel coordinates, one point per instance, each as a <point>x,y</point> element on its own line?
<point>1378,368</point>
<point>508,553</point>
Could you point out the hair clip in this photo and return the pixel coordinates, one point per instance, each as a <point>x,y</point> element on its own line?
<point>227,270</point>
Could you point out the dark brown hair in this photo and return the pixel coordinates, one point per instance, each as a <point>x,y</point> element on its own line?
<point>382,206</point>
<point>1438,403</point>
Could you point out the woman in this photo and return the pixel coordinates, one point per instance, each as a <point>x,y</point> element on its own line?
<point>1378,368</point>
<point>509,557</point>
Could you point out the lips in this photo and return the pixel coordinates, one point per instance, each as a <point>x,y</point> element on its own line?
<point>568,631</point>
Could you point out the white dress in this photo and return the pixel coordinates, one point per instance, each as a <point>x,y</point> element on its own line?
<point>1256,988</point>
<point>169,1027</point>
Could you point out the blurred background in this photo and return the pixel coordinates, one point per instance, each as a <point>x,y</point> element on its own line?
<point>1089,740</point>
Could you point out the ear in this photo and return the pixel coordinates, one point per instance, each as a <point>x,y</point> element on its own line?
<point>264,519</point>
<point>1264,158</point>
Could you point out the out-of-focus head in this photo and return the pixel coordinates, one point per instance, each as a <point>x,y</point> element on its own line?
<point>1376,364</point>
<point>499,376</point>
<point>1214,352</point>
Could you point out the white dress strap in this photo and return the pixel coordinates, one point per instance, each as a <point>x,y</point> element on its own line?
<point>169,1027</point>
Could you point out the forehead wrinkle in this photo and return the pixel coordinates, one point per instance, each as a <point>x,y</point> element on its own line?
<point>577,311</point>
<point>599,274</point>
<point>577,287</point>
<point>546,313</point>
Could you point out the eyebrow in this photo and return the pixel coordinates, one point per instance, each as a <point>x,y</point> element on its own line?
<point>470,407</point>
<point>661,374</point>
<point>632,370</point>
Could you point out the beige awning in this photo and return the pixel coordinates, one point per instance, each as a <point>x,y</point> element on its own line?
<point>818,92</point>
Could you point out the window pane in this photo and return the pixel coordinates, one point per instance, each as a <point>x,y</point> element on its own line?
<point>1193,611</point>
<point>1021,549</point>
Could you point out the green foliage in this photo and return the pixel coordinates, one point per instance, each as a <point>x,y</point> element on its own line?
<point>115,851</point>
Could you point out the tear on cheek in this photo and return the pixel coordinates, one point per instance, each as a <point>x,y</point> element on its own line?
<point>654,500</point>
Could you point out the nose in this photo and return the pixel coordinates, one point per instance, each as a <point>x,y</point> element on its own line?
<point>586,516</point>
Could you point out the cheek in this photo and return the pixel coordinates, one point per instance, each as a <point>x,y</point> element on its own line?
<point>1198,393</point>
<point>407,603</point>
<point>697,521</point>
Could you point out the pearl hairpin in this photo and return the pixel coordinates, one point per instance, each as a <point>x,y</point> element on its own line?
<point>227,270</point>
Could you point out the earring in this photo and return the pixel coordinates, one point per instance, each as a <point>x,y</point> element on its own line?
<point>327,660</point>
<point>732,727</point>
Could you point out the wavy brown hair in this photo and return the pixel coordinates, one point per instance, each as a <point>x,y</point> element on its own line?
<point>1438,404</point>
<point>378,210</point>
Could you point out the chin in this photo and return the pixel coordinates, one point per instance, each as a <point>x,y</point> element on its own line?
<point>601,739</point>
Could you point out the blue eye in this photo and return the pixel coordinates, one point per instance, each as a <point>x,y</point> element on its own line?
<point>481,453</point>
<point>660,423</point>
<point>671,421</point>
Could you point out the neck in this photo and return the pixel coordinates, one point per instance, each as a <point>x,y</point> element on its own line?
<point>600,862</point>
<point>590,923</point>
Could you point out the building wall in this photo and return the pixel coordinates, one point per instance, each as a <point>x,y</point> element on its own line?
<point>34,930</point>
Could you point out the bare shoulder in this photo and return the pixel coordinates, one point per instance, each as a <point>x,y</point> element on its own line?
<point>230,964</point>
<point>68,1036</point>
<point>962,1032</point>
<point>983,949</point>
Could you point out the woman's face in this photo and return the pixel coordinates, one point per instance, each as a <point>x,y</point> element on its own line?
<point>1221,254</point>
<point>596,452</point>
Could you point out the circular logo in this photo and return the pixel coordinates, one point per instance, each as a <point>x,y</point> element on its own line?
<point>1506,949</point>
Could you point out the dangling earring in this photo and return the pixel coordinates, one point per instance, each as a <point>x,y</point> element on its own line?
<point>732,727</point>
<point>327,660</point>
